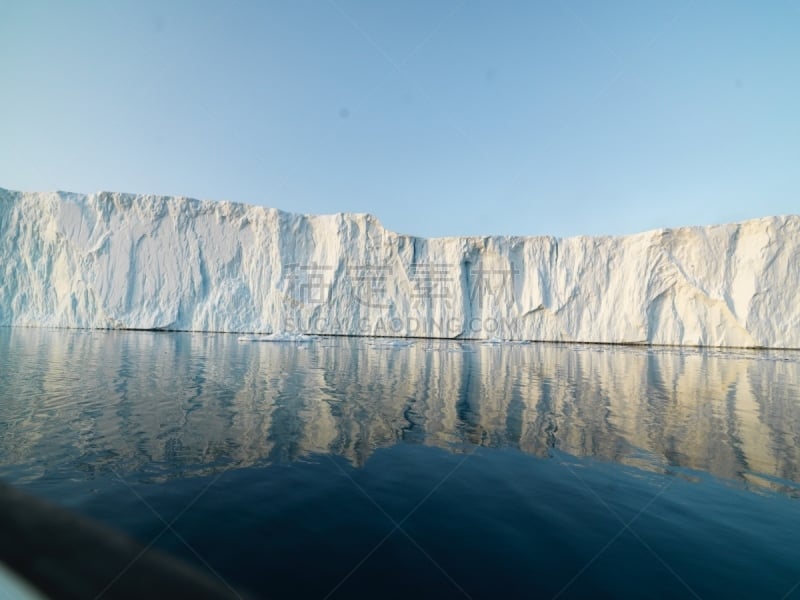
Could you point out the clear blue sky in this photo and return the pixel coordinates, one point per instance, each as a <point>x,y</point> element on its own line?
<point>441,118</point>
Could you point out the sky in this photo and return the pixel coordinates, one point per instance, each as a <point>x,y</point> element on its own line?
<point>556,117</point>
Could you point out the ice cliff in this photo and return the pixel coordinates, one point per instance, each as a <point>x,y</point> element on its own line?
<point>112,260</point>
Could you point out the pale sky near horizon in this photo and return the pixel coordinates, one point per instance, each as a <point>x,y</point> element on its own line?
<point>559,117</point>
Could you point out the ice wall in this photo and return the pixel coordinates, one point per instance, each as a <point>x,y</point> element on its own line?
<point>112,260</point>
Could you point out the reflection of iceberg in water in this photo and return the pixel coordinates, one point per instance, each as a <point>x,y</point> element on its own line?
<point>168,405</point>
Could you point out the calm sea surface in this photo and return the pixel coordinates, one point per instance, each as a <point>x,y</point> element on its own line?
<point>355,467</point>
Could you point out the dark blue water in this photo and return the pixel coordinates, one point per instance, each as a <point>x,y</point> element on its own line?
<point>350,467</point>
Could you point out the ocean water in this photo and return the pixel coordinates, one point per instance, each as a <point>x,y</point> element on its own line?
<point>345,467</point>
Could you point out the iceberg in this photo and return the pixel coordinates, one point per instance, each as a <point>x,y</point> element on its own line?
<point>123,261</point>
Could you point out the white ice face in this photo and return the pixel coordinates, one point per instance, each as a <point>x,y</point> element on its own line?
<point>145,262</point>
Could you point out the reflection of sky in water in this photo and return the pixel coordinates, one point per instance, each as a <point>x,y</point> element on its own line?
<point>163,405</point>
